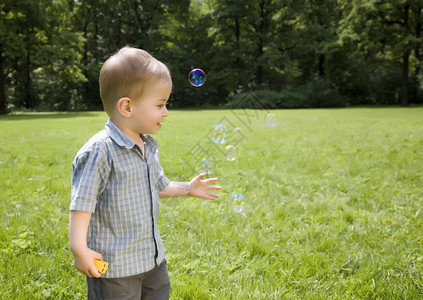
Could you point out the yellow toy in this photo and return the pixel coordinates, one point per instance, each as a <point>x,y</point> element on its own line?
<point>101,265</point>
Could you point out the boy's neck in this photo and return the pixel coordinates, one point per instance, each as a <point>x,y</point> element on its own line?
<point>134,136</point>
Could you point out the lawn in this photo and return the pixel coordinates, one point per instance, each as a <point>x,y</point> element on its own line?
<point>333,204</point>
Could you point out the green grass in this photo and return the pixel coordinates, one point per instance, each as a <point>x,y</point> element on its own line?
<point>334,205</point>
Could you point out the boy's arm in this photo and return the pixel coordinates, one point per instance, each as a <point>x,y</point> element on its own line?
<point>84,257</point>
<point>196,188</point>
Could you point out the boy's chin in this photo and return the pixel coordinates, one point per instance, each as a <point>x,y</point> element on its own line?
<point>152,131</point>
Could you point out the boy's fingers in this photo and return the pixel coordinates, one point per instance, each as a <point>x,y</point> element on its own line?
<point>211,180</point>
<point>87,272</point>
<point>94,272</point>
<point>212,196</point>
<point>214,187</point>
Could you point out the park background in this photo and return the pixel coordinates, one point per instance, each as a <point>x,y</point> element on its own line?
<point>333,194</point>
<point>290,53</point>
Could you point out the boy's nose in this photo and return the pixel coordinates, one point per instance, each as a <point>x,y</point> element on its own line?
<point>166,112</point>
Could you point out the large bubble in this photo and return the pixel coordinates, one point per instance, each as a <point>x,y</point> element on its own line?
<point>238,203</point>
<point>231,153</point>
<point>206,165</point>
<point>270,120</point>
<point>197,77</point>
<point>218,134</point>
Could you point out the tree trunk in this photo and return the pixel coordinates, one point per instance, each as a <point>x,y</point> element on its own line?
<point>261,31</point>
<point>321,66</point>
<point>405,62</point>
<point>237,31</point>
<point>2,90</point>
<point>404,87</point>
<point>28,94</point>
<point>417,55</point>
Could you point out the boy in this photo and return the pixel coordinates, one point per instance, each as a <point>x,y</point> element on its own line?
<point>117,181</point>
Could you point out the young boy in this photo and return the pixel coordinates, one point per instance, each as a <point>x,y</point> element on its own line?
<point>117,181</point>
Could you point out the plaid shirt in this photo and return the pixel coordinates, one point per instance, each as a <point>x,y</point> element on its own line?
<point>112,180</point>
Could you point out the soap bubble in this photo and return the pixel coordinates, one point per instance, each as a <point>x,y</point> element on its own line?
<point>218,134</point>
<point>231,153</point>
<point>206,165</point>
<point>197,77</point>
<point>238,203</point>
<point>270,120</point>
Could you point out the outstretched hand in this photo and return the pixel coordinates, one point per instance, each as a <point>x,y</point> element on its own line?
<point>200,188</point>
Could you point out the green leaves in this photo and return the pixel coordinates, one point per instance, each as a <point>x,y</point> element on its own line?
<point>52,51</point>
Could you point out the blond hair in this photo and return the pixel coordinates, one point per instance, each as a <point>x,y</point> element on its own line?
<point>125,74</point>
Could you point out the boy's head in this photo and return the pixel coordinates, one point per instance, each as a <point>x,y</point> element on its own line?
<point>126,73</point>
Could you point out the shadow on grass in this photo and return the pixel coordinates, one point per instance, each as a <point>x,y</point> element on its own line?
<point>47,115</point>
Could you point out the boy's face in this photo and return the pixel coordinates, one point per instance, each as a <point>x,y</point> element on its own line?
<point>150,109</point>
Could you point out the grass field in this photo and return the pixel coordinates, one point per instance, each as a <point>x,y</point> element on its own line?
<point>333,210</point>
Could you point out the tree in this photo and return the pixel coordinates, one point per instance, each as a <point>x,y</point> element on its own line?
<point>108,25</point>
<point>13,48</point>
<point>316,29</point>
<point>39,54</point>
<point>370,51</point>
<point>388,31</point>
<point>249,40</point>
<point>58,57</point>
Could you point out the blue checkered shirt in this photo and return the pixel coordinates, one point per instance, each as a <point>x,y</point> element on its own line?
<point>113,181</point>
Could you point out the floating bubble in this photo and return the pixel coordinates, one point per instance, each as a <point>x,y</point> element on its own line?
<point>270,120</point>
<point>238,203</point>
<point>218,134</point>
<point>197,77</point>
<point>231,152</point>
<point>206,165</point>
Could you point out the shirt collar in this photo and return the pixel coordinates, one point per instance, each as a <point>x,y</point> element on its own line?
<point>123,141</point>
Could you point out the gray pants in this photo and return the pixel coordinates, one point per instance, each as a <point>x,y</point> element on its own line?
<point>152,285</point>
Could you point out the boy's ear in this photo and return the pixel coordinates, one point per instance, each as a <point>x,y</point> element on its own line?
<point>124,106</point>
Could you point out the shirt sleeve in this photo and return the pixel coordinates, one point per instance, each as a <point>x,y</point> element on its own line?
<point>89,178</point>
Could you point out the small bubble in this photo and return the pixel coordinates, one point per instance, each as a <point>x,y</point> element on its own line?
<point>270,120</point>
<point>238,203</point>
<point>197,77</point>
<point>231,153</point>
<point>218,134</point>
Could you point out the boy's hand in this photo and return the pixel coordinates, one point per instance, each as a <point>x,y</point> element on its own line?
<point>84,256</point>
<point>84,262</point>
<point>200,188</point>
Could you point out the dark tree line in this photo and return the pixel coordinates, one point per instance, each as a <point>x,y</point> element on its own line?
<point>289,53</point>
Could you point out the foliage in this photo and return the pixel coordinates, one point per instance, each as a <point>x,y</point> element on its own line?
<point>41,55</point>
<point>316,94</point>
<point>52,51</point>
<point>390,31</point>
<point>333,205</point>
